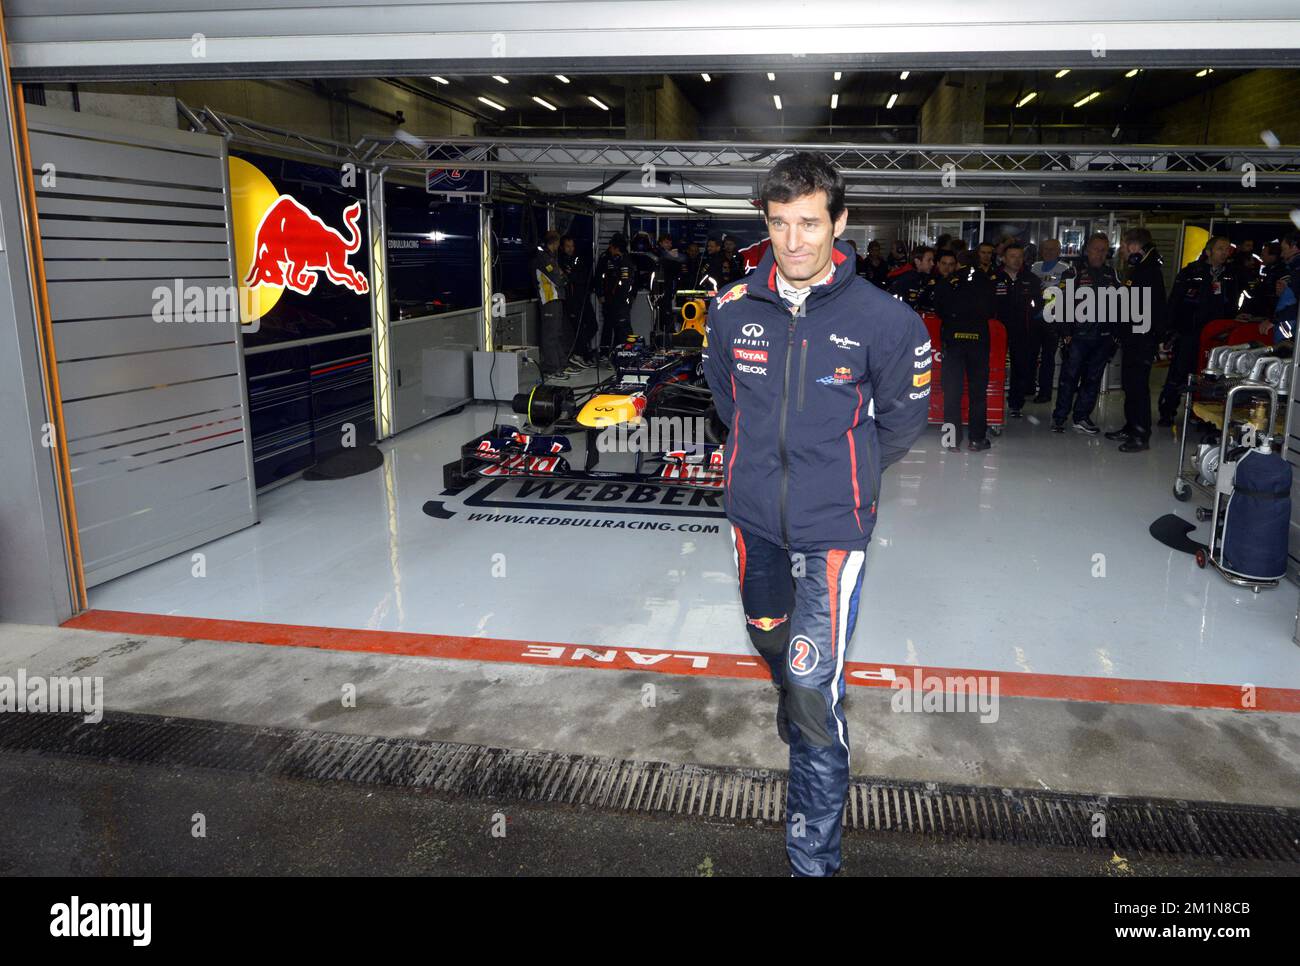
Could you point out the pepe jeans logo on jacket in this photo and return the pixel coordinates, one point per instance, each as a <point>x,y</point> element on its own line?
<point>844,342</point>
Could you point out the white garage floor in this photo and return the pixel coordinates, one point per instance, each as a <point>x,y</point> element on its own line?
<point>988,562</point>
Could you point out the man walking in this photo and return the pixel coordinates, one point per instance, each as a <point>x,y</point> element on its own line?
<point>823,380</point>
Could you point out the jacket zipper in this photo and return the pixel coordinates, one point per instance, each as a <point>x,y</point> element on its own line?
<point>803,371</point>
<point>785,459</point>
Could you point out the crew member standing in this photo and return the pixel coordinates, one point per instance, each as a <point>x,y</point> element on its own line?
<point>823,380</point>
<point>914,286</point>
<point>1052,272</point>
<point>1203,291</point>
<point>616,280</point>
<point>1145,281</point>
<point>965,303</point>
<point>1089,342</point>
<point>577,301</point>
<point>1286,306</point>
<point>551,287</point>
<point>1018,301</point>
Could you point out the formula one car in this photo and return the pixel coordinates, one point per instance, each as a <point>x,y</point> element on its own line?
<point>648,385</point>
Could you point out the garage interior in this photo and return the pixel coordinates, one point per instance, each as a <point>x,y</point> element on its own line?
<point>273,475</point>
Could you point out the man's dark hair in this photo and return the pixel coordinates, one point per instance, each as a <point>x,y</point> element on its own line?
<point>943,242</point>
<point>666,237</point>
<point>1139,235</point>
<point>985,244</point>
<point>803,174</point>
<point>1292,238</point>
<point>551,236</point>
<point>1012,244</point>
<point>873,244</point>
<point>921,251</point>
<point>1274,248</point>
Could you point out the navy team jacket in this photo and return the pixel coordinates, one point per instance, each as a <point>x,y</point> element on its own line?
<point>819,402</point>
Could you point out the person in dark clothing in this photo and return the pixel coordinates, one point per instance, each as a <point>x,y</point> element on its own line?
<point>667,280</point>
<point>985,260</point>
<point>1145,281</point>
<point>551,284</point>
<point>874,268</point>
<point>1089,339</point>
<point>1261,292</point>
<point>1018,300</point>
<point>693,266</point>
<point>824,381</point>
<point>577,301</point>
<point>965,303</point>
<point>720,269</point>
<point>914,286</point>
<point>616,283</point>
<point>1203,291</point>
<point>1286,309</point>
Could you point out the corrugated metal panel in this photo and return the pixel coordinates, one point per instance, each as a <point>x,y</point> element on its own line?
<point>72,39</point>
<point>155,410</point>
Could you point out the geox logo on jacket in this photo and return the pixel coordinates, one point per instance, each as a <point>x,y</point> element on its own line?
<point>834,404</point>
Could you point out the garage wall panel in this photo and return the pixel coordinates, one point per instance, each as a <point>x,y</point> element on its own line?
<point>134,233</point>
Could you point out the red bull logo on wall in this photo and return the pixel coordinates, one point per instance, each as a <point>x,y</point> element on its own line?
<point>281,244</point>
<point>292,247</point>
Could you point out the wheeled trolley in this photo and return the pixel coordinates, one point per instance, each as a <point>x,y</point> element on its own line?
<point>1212,473</point>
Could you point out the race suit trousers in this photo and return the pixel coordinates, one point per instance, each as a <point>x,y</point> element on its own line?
<point>800,609</point>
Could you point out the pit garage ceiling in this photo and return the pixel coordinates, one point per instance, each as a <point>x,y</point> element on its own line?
<point>53,40</point>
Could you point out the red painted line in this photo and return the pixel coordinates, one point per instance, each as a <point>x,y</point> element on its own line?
<point>1011,684</point>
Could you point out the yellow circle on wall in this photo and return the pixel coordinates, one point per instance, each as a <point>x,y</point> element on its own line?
<point>251,194</point>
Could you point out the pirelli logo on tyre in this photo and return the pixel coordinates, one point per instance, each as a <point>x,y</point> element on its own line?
<point>921,379</point>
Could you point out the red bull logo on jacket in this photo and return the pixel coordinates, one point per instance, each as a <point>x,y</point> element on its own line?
<point>292,247</point>
<point>733,293</point>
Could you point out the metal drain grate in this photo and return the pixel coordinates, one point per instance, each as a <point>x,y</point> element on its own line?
<point>952,812</point>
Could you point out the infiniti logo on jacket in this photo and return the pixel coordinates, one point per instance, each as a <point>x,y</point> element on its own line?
<point>836,404</point>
